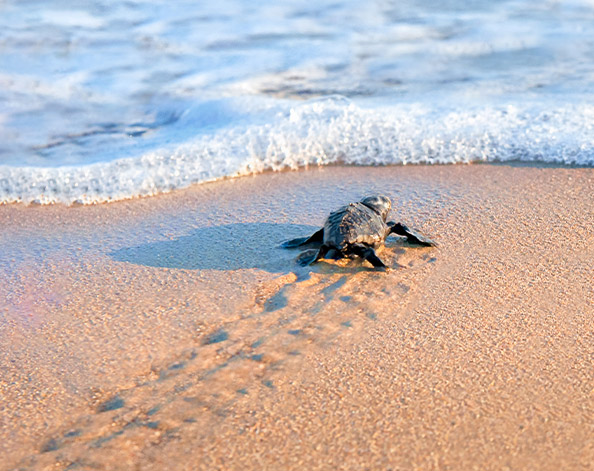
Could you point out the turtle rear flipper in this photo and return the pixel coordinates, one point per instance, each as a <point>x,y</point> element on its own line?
<point>312,256</point>
<point>316,237</point>
<point>368,254</point>
<point>411,236</point>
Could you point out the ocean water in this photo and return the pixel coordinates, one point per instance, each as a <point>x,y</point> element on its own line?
<point>102,100</point>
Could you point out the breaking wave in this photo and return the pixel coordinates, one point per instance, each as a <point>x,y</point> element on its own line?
<point>324,131</point>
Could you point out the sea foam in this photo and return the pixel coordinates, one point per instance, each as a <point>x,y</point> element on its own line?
<point>325,131</point>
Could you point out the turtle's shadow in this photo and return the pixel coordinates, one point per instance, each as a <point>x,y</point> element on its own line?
<point>225,247</point>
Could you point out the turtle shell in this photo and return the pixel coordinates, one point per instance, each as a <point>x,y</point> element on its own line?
<point>354,224</point>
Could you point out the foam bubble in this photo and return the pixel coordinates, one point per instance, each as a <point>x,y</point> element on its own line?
<point>321,132</point>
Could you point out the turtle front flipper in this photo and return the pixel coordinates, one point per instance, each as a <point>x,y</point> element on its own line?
<point>368,254</point>
<point>411,236</point>
<point>317,237</point>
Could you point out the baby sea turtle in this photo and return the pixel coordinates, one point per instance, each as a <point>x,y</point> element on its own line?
<point>356,230</point>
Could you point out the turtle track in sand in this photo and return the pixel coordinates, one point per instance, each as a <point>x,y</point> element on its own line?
<point>231,370</point>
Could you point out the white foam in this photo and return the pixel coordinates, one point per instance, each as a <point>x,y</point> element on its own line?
<point>321,132</point>
<point>72,18</point>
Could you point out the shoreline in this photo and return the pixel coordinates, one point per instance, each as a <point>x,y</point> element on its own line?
<point>518,163</point>
<point>152,331</point>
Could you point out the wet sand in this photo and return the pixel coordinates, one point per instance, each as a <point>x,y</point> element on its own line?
<point>173,333</point>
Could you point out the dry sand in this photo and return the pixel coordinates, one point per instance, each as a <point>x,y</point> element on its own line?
<point>171,333</point>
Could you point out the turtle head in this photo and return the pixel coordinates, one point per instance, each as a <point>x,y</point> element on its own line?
<point>380,204</point>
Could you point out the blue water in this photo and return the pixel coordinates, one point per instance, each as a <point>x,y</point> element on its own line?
<point>108,100</point>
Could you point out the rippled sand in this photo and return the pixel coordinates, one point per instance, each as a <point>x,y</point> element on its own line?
<point>173,333</point>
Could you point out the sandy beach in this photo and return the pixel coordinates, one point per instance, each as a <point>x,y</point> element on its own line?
<point>172,333</point>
